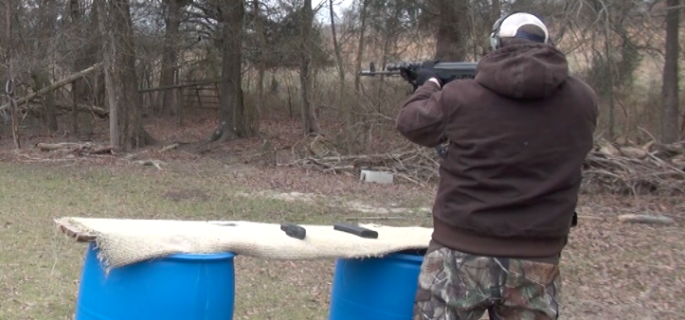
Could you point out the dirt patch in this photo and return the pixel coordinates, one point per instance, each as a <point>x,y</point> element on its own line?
<point>336,202</point>
<point>285,196</point>
<point>365,207</point>
<point>186,194</point>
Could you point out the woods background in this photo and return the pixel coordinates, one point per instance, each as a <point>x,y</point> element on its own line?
<point>284,73</point>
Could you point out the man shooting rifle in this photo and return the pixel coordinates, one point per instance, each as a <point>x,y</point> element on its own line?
<point>519,132</point>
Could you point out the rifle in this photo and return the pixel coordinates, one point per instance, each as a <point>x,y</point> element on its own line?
<point>409,72</point>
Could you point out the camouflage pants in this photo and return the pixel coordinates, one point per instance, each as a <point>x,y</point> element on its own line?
<point>459,286</point>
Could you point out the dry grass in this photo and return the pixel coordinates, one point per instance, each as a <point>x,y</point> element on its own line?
<point>611,270</point>
<point>40,269</point>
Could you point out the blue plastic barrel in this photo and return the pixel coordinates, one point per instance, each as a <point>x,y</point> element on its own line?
<point>376,288</point>
<point>177,287</point>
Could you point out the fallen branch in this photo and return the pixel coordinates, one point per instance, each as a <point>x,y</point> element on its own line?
<point>102,150</point>
<point>61,83</point>
<point>57,146</point>
<point>72,147</point>
<point>638,218</point>
<point>39,110</point>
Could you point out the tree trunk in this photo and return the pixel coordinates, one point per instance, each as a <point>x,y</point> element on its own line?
<point>9,55</point>
<point>87,51</point>
<point>309,121</point>
<point>169,104</point>
<point>98,95</point>
<point>126,131</point>
<point>230,97</point>
<point>347,108</point>
<point>41,80</point>
<point>41,75</point>
<point>496,11</point>
<point>669,111</point>
<point>261,66</point>
<point>610,77</point>
<point>75,13</point>
<point>108,56</point>
<point>360,47</point>
<point>452,30</point>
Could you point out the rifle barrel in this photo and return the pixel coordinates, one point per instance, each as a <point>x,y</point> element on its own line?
<point>379,73</point>
<point>449,65</point>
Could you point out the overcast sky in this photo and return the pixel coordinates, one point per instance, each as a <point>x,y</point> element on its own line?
<point>324,15</point>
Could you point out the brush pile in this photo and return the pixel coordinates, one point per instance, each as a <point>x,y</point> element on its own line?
<point>624,168</point>
<point>653,168</point>
<point>414,165</point>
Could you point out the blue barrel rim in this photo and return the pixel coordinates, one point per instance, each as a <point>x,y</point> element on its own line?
<point>183,256</point>
<point>200,256</point>
<point>415,255</point>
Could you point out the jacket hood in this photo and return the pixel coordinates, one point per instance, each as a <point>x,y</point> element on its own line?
<point>523,70</point>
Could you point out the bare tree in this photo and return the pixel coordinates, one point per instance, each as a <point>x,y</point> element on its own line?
<point>363,7</point>
<point>348,112</point>
<point>76,86</point>
<point>9,44</point>
<point>261,65</point>
<point>604,40</point>
<point>231,19</point>
<point>233,31</point>
<point>669,111</point>
<point>452,28</point>
<point>309,122</point>
<point>47,15</point>
<point>169,105</point>
<point>126,131</point>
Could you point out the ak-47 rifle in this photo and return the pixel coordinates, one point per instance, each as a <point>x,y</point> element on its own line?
<point>409,71</point>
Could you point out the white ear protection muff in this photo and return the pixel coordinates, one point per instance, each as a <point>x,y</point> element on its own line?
<point>495,36</point>
<point>495,40</point>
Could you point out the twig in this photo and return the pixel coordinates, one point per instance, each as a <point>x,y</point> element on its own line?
<point>591,218</point>
<point>638,218</point>
<point>169,147</point>
<point>151,162</point>
<point>377,218</point>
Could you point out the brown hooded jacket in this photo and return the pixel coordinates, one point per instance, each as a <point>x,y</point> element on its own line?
<point>519,133</point>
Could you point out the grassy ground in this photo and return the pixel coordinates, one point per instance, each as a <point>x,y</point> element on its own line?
<point>611,271</point>
<point>40,268</point>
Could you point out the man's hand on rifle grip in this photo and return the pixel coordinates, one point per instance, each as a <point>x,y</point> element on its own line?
<point>426,75</point>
